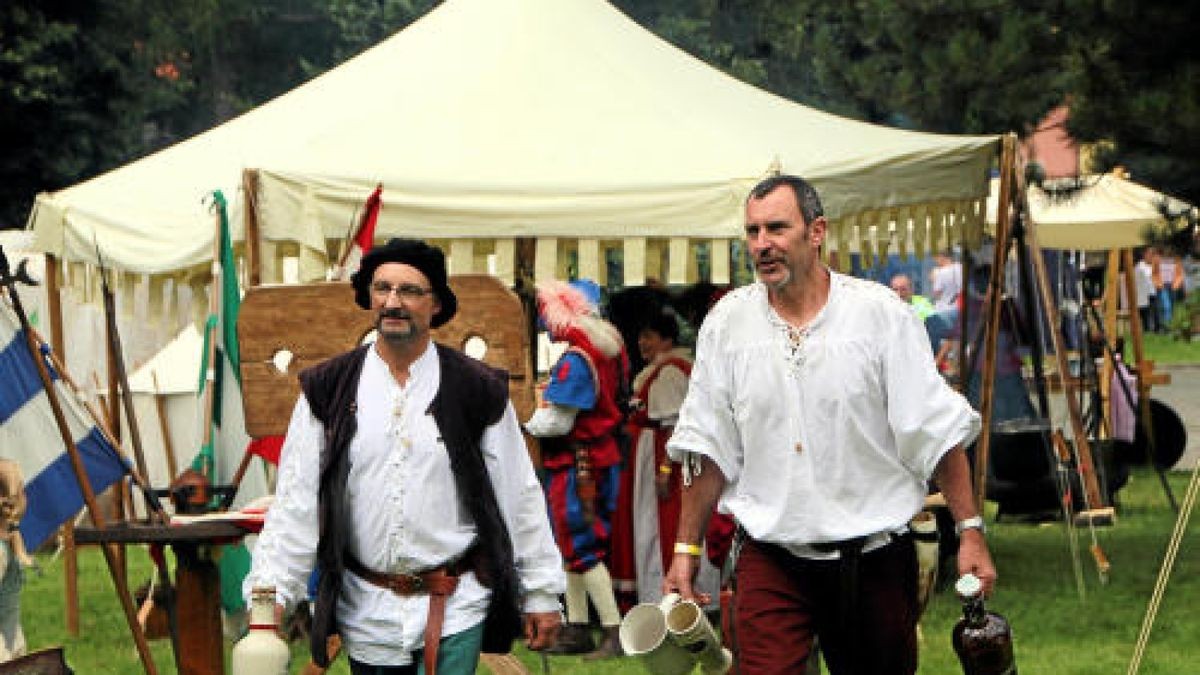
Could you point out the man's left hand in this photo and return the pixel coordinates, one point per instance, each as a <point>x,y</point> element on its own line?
<point>973,557</point>
<point>541,629</point>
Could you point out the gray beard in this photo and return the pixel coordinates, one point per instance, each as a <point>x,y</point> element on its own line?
<point>397,337</point>
<point>782,283</point>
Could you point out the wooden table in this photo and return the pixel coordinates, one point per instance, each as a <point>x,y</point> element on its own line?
<point>200,648</point>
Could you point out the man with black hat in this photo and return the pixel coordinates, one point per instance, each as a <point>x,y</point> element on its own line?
<point>405,480</point>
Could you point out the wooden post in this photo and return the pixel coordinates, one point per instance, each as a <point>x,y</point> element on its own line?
<point>253,238</point>
<point>114,416</point>
<point>214,309</point>
<point>70,559</point>
<point>992,316</point>
<point>1086,466</point>
<point>1112,293</point>
<point>164,426</point>
<point>1144,367</point>
<point>964,318</point>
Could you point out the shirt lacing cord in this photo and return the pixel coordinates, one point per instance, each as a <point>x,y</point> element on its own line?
<point>795,338</point>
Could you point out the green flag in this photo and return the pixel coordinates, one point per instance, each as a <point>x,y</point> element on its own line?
<point>224,438</point>
<point>221,327</point>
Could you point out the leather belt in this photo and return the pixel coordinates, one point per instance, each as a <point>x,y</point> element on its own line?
<point>439,583</point>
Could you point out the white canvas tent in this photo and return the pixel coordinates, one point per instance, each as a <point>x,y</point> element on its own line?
<point>174,373</point>
<point>492,120</point>
<point>1109,212</point>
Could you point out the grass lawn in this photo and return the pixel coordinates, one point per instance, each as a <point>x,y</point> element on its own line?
<point>1056,630</point>
<point>1165,350</point>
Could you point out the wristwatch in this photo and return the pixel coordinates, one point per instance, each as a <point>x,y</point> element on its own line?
<point>974,523</point>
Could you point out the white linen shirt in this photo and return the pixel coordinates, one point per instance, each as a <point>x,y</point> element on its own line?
<point>405,514</point>
<point>834,442</point>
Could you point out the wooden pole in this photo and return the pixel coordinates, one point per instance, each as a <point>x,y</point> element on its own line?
<point>353,234</point>
<point>164,426</point>
<point>992,316</point>
<point>114,416</point>
<point>964,318</point>
<point>125,398</point>
<point>70,558</point>
<point>1144,367</point>
<point>85,486</point>
<point>1112,293</point>
<point>214,309</point>
<point>1144,371</point>
<point>1083,450</point>
<point>253,240</point>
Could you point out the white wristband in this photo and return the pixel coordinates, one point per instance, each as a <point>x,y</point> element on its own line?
<point>973,523</point>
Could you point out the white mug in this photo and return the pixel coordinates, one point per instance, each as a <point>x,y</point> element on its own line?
<point>690,629</point>
<point>644,634</point>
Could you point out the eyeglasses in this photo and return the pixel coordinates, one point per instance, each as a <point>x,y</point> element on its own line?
<point>406,291</point>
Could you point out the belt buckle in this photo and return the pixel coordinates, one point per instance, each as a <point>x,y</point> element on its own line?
<point>406,584</point>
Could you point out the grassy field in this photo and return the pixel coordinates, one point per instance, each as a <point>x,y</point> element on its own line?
<point>1166,350</point>
<point>1056,629</point>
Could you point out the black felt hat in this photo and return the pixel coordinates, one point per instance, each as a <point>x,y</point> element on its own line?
<point>430,260</point>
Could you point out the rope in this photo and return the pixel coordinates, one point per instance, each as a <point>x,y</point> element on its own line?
<point>1160,585</point>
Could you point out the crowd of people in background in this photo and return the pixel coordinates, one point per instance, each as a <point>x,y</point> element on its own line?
<point>1161,285</point>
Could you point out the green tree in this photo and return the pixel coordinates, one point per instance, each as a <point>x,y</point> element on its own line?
<point>86,87</point>
<point>67,98</point>
<point>1139,88</point>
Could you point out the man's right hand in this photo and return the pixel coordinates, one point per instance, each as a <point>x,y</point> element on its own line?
<point>684,567</point>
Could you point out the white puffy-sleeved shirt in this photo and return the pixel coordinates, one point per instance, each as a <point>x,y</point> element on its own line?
<point>405,514</point>
<point>823,434</point>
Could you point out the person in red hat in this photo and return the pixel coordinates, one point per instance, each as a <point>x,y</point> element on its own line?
<point>577,426</point>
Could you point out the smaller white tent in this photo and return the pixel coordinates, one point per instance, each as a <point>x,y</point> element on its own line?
<point>1108,212</point>
<point>173,374</point>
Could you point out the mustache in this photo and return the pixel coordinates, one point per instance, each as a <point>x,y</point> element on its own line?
<point>767,257</point>
<point>394,314</point>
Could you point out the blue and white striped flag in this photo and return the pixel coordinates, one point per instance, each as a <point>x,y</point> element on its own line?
<point>29,435</point>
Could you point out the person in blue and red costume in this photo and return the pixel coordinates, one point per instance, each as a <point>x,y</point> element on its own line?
<point>577,424</point>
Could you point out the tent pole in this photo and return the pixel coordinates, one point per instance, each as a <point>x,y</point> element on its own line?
<point>1032,316</point>
<point>1112,292</point>
<point>214,309</point>
<point>964,318</point>
<point>1143,372</point>
<point>1083,448</point>
<point>992,317</point>
<point>124,399</point>
<point>67,531</point>
<point>164,426</point>
<point>250,211</point>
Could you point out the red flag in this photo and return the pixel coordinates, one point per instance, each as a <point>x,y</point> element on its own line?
<point>267,447</point>
<point>364,238</point>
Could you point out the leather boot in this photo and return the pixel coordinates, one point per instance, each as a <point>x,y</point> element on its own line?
<point>574,638</point>
<point>610,645</point>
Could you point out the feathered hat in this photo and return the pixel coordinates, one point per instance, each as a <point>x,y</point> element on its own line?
<point>570,311</point>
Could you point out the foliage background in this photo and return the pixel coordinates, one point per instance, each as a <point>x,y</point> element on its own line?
<point>87,85</point>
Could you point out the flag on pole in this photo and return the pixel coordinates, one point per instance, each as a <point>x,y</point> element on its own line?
<point>30,435</point>
<point>364,236</point>
<point>223,425</point>
<point>220,361</point>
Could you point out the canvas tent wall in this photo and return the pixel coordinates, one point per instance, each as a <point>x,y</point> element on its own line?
<point>488,121</point>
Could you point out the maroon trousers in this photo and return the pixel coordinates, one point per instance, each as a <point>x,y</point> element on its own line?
<point>782,602</point>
